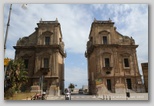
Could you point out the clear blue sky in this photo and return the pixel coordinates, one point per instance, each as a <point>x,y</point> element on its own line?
<point>75,20</point>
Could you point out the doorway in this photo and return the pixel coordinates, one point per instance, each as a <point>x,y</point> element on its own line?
<point>129,84</point>
<point>109,84</point>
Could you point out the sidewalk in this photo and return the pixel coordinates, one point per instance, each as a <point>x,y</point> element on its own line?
<point>133,96</point>
<point>51,97</point>
<point>27,99</point>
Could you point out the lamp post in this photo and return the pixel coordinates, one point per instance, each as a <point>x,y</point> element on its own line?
<point>43,72</point>
<point>6,34</point>
<point>7,28</point>
<point>8,24</point>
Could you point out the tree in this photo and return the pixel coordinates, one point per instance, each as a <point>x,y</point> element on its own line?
<point>71,86</point>
<point>16,76</point>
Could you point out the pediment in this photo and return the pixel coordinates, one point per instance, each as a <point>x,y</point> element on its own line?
<point>47,33</point>
<point>104,32</point>
<point>106,53</point>
<point>125,54</point>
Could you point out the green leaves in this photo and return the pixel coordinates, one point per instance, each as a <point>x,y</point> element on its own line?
<point>71,86</point>
<point>16,76</point>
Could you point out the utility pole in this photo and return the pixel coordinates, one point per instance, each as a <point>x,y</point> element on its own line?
<point>7,28</point>
<point>8,24</point>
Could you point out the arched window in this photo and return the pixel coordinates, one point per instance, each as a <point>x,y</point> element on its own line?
<point>46,38</point>
<point>104,35</point>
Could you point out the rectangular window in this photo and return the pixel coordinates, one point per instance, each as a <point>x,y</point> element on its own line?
<point>104,40</point>
<point>107,62</point>
<point>47,40</point>
<point>26,61</point>
<point>126,62</point>
<point>46,63</point>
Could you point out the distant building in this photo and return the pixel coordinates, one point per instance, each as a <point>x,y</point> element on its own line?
<point>145,75</point>
<point>85,89</point>
<point>112,60</point>
<point>43,55</point>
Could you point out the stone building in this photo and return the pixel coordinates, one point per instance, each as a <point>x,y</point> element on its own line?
<point>43,55</point>
<point>145,75</point>
<point>112,60</point>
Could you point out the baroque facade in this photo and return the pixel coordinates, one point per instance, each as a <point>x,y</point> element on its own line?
<point>43,55</point>
<point>112,60</point>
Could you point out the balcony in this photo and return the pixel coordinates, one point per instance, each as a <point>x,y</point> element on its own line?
<point>44,70</point>
<point>107,69</point>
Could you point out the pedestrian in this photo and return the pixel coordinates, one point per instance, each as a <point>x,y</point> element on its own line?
<point>66,90</point>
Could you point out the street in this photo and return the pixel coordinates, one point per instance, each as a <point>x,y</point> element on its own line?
<point>74,97</point>
<point>111,96</point>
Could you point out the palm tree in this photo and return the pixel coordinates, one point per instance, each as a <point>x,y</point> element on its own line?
<point>16,76</point>
<point>21,77</point>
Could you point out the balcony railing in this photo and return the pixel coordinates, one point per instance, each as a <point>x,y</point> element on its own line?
<point>107,69</point>
<point>44,70</point>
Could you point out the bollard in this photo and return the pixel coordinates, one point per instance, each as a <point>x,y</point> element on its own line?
<point>109,97</point>
<point>104,97</point>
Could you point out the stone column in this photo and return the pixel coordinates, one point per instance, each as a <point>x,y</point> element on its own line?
<point>56,35</point>
<point>56,63</point>
<point>132,68</point>
<point>37,65</point>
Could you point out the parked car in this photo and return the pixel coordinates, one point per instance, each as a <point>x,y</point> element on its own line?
<point>80,91</point>
<point>85,89</point>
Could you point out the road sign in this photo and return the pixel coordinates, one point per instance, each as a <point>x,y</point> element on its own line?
<point>6,61</point>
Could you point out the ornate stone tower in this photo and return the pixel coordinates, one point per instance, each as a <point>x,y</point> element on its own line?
<point>43,55</point>
<point>112,60</point>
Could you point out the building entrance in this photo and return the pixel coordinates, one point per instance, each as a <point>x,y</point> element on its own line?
<point>129,84</point>
<point>109,84</point>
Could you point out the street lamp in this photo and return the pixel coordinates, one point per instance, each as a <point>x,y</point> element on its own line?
<point>7,28</point>
<point>6,34</point>
<point>44,72</point>
<point>8,24</point>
